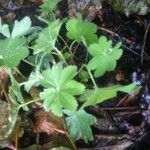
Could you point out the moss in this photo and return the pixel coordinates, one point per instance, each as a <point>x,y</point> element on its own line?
<point>140,7</point>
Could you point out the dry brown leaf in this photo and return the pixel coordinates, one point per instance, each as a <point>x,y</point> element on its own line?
<point>48,123</point>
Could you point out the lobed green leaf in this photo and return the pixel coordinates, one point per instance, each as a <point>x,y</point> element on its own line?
<point>104,56</point>
<point>47,38</point>
<point>81,31</point>
<point>12,51</point>
<point>60,89</point>
<point>49,5</point>
<point>4,29</point>
<point>21,27</point>
<point>79,123</point>
<point>93,97</point>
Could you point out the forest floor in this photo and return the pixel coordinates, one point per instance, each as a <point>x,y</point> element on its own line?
<point>123,123</point>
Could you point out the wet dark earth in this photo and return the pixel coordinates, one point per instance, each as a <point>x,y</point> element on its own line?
<point>123,123</point>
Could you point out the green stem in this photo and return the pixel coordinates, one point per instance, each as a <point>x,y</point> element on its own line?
<point>72,46</point>
<point>42,59</point>
<point>31,64</point>
<point>36,58</point>
<point>59,53</point>
<point>27,103</point>
<point>20,73</point>
<point>80,69</point>
<point>92,78</point>
<point>65,43</point>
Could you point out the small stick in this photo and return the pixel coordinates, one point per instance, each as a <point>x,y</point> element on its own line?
<point>119,108</point>
<point>115,34</point>
<point>6,96</point>
<point>144,42</point>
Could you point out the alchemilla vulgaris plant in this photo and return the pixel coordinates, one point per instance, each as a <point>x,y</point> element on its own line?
<point>61,90</point>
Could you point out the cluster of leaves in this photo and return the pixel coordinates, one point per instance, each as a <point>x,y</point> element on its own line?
<point>104,54</point>
<point>61,91</point>
<point>80,30</point>
<point>49,5</point>
<point>13,49</point>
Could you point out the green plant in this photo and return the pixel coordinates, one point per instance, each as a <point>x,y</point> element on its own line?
<point>79,123</point>
<point>47,38</point>
<point>81,31</point>
<point>93,97</point>
<point>62,87</point>
<point>14,48</point>
<point>48,6</point>
<point>16,51</point>
<point>104,56</point>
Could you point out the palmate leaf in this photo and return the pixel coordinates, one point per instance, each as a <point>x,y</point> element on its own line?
<point>47,38</point>
<point>15,92</point>
<point>49,5</point>
<point>81,31</point>
<point>21,27</point>
<point>9,116</point>
<point>34,79</point>
<point>12,51</point>
<point>4,29</point>
<point>104,56</point>
<point>93,97</point>
<point>79,123</point>
<point>60,89</point>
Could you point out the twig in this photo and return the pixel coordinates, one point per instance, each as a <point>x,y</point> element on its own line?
<point>5,9</point>
<point>119,108</point>
<point>122,100</point>
<point>17,130</point>
<point>115,34</point>
<point>71,142</point>
<point>6,96</point>
<point>133,112</point>
<point>119,146</point>
<point>112,137</point>
<point>144,42</point>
